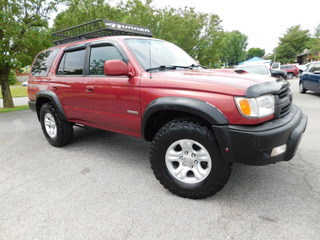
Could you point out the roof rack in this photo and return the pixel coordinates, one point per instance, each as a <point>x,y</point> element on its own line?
<point>98,28</point>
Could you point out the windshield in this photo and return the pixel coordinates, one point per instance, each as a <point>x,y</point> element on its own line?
<point>162,53</point>
<point>258,69</point>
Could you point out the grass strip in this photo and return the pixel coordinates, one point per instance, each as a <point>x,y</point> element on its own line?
<point>17,91</point>
<point>18,108</point>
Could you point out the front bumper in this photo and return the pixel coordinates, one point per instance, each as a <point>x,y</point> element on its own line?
<point>253,144</point>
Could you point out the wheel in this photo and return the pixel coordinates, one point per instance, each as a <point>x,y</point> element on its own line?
<point>57,132</point>
<point>185,158</point>
<point>290,75</point>
<point>301,88</point>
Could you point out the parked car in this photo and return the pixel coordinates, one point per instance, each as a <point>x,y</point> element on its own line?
<point>199,121</point>
<point>262,69</point>
<point>310,78</point>
<point>292,70</point>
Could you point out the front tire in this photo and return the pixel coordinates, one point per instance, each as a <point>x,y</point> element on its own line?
<point>57,132</point>
<point>185,158</point>
<point>301,88</point>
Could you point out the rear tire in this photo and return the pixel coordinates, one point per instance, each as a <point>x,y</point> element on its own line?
<point>290,75</point>
<point>57,132</point>
<point>185,158</point>
<point>301,88</point>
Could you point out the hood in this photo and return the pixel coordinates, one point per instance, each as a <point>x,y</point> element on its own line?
<point>224,81</point>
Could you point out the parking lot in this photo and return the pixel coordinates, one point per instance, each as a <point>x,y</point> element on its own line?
<point>101,187</point>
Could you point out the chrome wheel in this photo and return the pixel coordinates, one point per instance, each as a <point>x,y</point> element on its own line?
<point>50,125</point>
<point>188,161</point>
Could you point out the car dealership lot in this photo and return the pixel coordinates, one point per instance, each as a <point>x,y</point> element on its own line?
<point>101,187</point>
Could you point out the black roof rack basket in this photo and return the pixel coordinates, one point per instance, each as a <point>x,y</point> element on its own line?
<point>98,28</point>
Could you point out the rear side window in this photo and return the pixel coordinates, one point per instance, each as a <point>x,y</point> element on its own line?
<point>101,54</point>
<point>43,63</point>
<point>72,63</point>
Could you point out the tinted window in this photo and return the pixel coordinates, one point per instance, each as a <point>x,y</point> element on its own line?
<point>71,63</point>
<point>43,63</point>
<point>101,54</point>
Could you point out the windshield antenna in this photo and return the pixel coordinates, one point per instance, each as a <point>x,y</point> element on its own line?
<point>150,57</point>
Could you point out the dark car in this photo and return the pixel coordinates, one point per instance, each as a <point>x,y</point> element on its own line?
<point>310,79</point>
<point>292,70</point>
<point>278,73</point>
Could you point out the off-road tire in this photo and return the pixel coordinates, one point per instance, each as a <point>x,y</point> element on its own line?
<point>64,130</point>
<point>182,129</point>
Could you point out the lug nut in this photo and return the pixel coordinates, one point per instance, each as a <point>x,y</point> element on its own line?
<point>186,153</point>
<point>193,155</point>
<point>181,157</point>
<point>195,161</point>
<point>183,164</point>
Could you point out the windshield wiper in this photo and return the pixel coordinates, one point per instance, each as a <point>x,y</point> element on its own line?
<point>190,66</point>
<point>173,67</point>
<point>161,67</point>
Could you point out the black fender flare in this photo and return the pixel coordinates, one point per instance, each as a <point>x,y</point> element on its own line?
<point>194,106</point>
<point>54,99</point>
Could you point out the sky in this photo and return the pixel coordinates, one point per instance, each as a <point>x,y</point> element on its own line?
<point>263,22</point>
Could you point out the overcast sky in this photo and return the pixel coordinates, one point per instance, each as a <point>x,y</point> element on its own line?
<point>262,21</point>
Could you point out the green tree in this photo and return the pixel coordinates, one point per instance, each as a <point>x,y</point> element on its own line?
<point>292,43</point>
<point>23,34</point>
<point>198,34</point>
<point>235,44</point>
<point>315,46</point>
<point>255,52</point>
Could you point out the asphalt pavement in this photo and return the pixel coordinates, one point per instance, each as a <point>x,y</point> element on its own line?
<point>101,187</point>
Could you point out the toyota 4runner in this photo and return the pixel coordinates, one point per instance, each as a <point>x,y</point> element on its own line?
<point>199,121</point>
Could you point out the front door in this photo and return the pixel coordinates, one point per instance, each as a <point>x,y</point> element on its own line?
<point>111,102</point>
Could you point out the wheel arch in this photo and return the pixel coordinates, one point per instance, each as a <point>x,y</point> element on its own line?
<point>163,110</point>
<point>45,96</point>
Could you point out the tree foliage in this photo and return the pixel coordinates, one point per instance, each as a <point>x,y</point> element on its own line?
<point>23,33</point>
<point>292,43</point>
<point>255,52</point>
<point>235,44</point>
<point>198,34</point>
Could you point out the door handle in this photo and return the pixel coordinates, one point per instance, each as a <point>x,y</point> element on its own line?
<point>54,87</point>
<point>89,89</point>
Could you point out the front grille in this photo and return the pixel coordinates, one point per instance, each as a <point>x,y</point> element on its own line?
<point>283,102</point>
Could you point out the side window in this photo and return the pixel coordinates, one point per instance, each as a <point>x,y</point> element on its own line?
<point>43,63</point>
<point>309,68</point>
<point>316,67</point>
<point>99,55</point>
<point>72,63</point>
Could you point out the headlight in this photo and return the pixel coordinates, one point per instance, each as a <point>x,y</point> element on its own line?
<point>259,107</point>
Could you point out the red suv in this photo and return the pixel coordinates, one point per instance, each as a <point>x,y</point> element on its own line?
<point>199,121</point>
<point>292,70</point>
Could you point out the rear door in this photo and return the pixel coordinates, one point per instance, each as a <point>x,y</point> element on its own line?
<point>68,82</point>
<point>111,102</point>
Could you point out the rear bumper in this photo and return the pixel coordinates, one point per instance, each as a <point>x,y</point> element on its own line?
<point>253,145</point>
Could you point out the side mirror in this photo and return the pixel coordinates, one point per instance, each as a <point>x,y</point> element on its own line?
<point>116,68</point>
<point>317,72</point>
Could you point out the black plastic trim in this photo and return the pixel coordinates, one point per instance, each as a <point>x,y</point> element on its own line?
<point>189,105</point>
<point>32,106</point>
<point>55,100</point>
<point>253,144</point>
<point>269,87</point>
